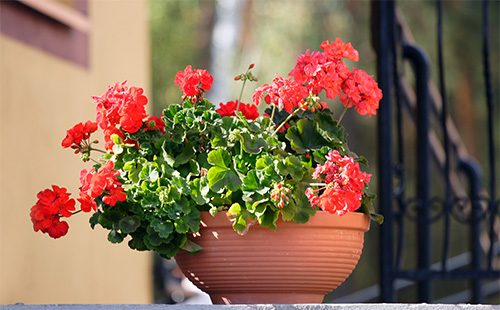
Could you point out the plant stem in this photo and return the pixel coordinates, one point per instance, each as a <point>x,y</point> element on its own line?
<point>342,115</point>
<point>272,118</point>
<point>317,184</point>
<point>287,119</point>
<point>241,95</point>
<point>78,211</point>
<point>94,160</point>
<point>98,150</point>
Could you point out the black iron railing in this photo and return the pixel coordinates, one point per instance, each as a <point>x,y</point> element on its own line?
<point>477,207</point>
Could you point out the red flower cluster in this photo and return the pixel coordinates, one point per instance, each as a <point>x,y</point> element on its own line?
<point>339,49</point>
<point>344,184</point>
<point>95,183</point>
<point>249,111</point>
<point>120,108</point>
<point>46,214</point>
<point>317,71</point>
<point>193,83</point>
<point>78,133</point>
<point>362,92</point>
<point>287,93</point>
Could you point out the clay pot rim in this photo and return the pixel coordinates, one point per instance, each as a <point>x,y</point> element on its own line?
<point>352,220</point>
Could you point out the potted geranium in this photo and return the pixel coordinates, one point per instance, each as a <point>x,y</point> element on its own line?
<point>177,183</point>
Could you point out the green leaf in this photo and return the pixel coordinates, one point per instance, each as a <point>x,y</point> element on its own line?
<point>252,145</point>
<point>115,237</point>
<point>94,219</point>
<point>260,210</point>
<point>219,158</point>
<point>234,210</point>
<point>178,135</point>
<point>137,243</point>
<point>181,226</point>
<point>191,247</point>
<point>252,208</point>
<point>150,201</point>
<point>199,191</point>
<point>202,160</point>
<point>194,167</point>
<point>263,162</point>
<point>163,228</point>
<point>367,207</point>
<point>104,221</point>
<point>251,182</point>
<point>192,219</point>
<point>166,156</point>
<point>220,177</point>
<point>269,219</point>
<point>295,166</point>
<point>152,239</point>
<point>319,155</point>
<point>186,154</point>
<point>240,224</point>
<point>304,136</point>
<point>378,218</point>
<point>133,175</point>
<point>129,165</point>
<point>213,211</point>
<point>328,127</point>
<point>116,139</point>
<point>181,185</point>
<point>129,224</point>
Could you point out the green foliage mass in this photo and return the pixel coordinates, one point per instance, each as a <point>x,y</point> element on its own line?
<point>206,162</point>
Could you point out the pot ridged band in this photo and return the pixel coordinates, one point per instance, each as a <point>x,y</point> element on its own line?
<point>296,263</point>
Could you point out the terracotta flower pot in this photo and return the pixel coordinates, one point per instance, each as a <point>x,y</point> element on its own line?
<point>297,263</point>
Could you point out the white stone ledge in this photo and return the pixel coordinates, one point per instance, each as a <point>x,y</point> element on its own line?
<point>256,307</point>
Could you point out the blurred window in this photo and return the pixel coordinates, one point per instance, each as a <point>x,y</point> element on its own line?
<point>58,27</point>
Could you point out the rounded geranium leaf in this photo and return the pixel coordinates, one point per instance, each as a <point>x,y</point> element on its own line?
<point>129,224</point>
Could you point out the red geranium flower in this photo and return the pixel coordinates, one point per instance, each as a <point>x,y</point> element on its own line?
<point>193,83</point>
<point>52,204</point>
<point>339,50</point>
<point>78,133</point>
<point>250,111</point>
<point>344,184</point>
<point>122,106</point>
<point>228,108</point>
<point>285,93</point>
<point>362,92</point>
<point>318,71</point>
<point>87,204</point>
<point>96,183</point>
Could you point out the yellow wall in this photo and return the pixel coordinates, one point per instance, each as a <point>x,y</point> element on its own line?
<point>41,96</point>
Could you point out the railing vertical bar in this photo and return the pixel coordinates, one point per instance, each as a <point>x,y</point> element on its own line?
<point>472,171</point>
<point>421,67</point>
<point>400,167</point>
<point>384,25</point>
<point>446,138</point>
<point>493,206</point>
